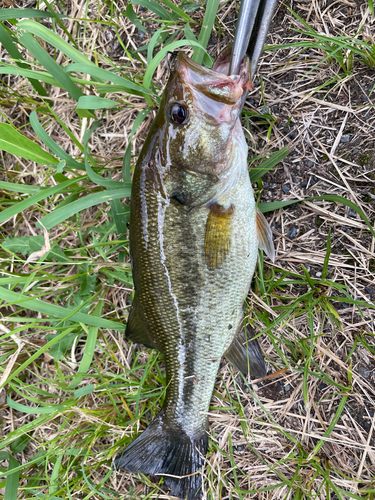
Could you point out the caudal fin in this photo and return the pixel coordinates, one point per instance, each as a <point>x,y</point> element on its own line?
<point>168,452</point>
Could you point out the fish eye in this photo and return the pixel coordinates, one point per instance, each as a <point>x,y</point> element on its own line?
<point>178,113</point>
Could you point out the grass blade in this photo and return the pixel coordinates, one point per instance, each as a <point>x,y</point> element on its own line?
<point>189,35</point>
<point>20,188</point>
<point>7,69</point>
<point>29,202</point>
<point>88,353</point>
<point>348,203</point>
<point>63,213</point>
<point>20,444</point>
<point>44,410</point>
<point>326,258</point>
<point>8,42</point>
<point>54,483</point>
<point>56,311</point>
<point>17,144</point>
<point>257,172</point>
<point>121,215</point>
<point>51,144</point>
<point>125,84</point>
<point>55,40</point>
<point>156,9</point>
<point>154,40</point>
<point>232,462</point>
<point>205,33</point>
<point>179,12</point>
<point>126,162</point>
<point>160,56</point>
<point>275,205</point>
<point>95,102</point>
<point>130,14</point>
<point>59,22</point>
<point>47,62</point>
<point>8,14</point>
<point>11,485</point>
<point>330,427</point>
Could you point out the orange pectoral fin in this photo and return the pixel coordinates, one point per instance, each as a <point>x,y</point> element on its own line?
<point>218,235</point>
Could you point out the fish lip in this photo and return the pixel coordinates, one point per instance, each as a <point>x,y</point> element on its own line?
<point>217,86</point>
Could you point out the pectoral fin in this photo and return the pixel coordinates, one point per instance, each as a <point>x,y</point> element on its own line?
<point>218,235</point>
<point>265,236</point>
<point>245,352</point>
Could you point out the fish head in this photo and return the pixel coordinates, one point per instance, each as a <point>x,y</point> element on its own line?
<point>200,109</point>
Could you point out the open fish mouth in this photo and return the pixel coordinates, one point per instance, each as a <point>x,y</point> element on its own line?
<point>215,83</point>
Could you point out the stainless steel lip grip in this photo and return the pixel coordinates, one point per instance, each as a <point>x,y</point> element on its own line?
<point>253,23</point>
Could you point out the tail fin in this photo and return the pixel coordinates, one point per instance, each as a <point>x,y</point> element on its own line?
<point>163,450</point>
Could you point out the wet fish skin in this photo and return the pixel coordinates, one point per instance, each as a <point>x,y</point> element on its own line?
<point>194,245</point>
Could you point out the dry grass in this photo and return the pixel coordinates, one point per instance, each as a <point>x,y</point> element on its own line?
<point>269,439</point>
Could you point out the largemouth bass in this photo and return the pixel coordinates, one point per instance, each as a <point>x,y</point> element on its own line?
<point>194,239</point>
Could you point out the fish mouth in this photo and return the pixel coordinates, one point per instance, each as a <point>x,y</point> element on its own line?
<point>214,83</point>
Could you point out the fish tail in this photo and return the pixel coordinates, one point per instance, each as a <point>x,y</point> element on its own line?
<point>163,450</point>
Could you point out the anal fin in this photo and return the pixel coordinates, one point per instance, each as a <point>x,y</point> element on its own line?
<point>218,235</point>
<point>245,352</point>
<point>136,330</point>
<point>265,235</point>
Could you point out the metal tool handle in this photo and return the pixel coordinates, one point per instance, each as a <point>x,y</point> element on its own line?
<point>244,27</point>
<point>259,33</point>
<point>254,19</point>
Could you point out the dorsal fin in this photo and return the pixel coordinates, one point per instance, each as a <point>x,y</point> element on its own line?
<point>218,235</point>
<point>265,236</point>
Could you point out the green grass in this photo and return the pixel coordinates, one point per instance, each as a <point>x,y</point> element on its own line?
<point>73,393</point>
<point>345,51</point>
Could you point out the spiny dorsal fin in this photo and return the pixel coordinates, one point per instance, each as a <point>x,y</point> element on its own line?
<point>218,235</point>
<point>265,236</point>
